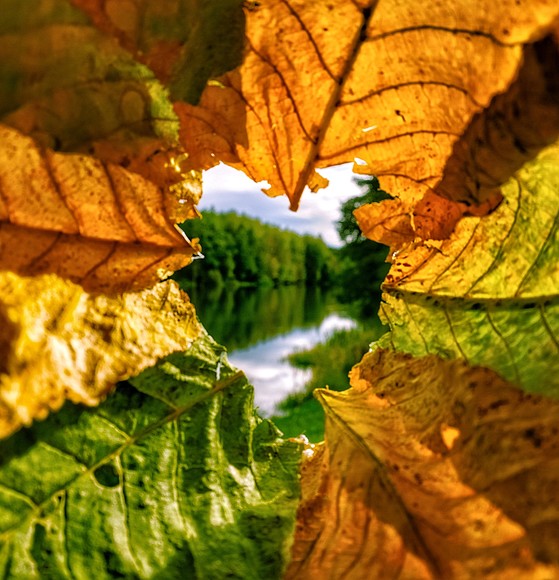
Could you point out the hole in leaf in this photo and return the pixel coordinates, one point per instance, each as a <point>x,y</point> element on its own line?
<point>107,475</point>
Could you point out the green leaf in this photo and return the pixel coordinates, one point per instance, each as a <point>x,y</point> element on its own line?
<point>490,294</point>
<point>174,476</point>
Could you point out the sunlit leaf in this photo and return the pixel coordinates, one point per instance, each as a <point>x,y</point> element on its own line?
<point>489,294</point>
<point>392,85</point>
<point>174,477</point>
<point>433,469</point>
<point>93,223</point>
<point>58,342</point>
<point>72,88</point>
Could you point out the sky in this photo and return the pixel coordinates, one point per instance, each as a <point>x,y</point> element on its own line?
<point>227,189</point>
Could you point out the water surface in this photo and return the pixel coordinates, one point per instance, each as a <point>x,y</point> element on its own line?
<point>261,326</point>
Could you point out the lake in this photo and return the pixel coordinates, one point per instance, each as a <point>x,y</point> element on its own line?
<point>261,326</point>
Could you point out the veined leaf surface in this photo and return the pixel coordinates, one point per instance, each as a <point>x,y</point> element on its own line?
<point>433,469</point>
<point>391,85</point>
<point>93,223</point>
<point>171,477</point>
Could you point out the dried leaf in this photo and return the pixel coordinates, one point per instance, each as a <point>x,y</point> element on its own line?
<point>74,89</point>
<point>433,469</point>
<point>490,293</point>
<point>392,85</point>
<point>59,343</point>
<point>93,223</point>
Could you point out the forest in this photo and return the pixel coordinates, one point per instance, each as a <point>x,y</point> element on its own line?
<point>239,250</point>
<point>242,251</point>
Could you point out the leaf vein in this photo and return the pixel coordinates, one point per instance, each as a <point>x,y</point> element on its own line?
<point>304,28</point>
<point>385,140</point>
<point>501,254</point>
<point>548,328</point>
<point>398,86</point>
<point>451,328</point>
<point>505,344</point>
<point>535,263</point>
<point>453,31</point>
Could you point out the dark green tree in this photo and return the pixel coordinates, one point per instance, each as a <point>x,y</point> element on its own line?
<point>363,264</point>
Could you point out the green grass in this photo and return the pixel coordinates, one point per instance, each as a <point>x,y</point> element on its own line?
<point>330,362</point>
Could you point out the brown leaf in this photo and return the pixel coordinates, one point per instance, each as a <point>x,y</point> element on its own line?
<point>432,469</point>
<point>58,342</point>
<point>394,86</point>
<point>93,223</point>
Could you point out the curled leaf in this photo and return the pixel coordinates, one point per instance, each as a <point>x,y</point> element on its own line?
<point>184,43</point>
<point>433,469</point>
<point>74,90</point>
<point>490,293</point>
<point>58,342</point>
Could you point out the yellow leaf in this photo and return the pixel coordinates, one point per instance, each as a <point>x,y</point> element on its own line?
<point>488,293</point>
<point>392,85</point>
<point>91,222</point>
<point>58,342</point>
<point>433,469</point>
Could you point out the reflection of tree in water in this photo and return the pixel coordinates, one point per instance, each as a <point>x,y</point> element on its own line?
<point>245,316</point>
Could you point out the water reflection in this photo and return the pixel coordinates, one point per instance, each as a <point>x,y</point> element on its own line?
<point>245,316</point>
<point>265,366</point>
<point>261,326</point>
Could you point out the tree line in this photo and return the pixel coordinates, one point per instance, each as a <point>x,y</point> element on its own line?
<point>240,250</point>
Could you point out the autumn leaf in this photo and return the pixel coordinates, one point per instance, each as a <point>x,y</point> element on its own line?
<point>433,469</point>
<point>498,141</point>
<point>91,173</point>
<point>73,89</point>
<point>488,294</point>
<point>93,223</point>
<point>391,86</point>
<point>436,465</point>
<point>173,476</point>
<point>58,342</point>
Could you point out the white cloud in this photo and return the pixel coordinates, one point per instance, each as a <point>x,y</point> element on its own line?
<point>226,189</point>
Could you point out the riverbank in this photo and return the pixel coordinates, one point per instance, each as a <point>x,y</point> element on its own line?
<point>329,362</point>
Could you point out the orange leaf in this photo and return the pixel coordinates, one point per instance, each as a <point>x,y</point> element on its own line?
<point>93,223</point>
<point>394,86</point>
